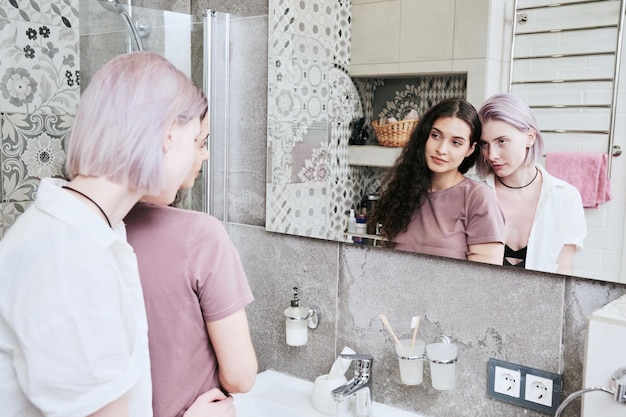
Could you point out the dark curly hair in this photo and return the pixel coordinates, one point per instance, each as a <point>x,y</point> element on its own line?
<point>406,186</point>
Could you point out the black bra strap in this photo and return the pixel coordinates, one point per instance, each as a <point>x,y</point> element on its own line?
<point>515,254</point>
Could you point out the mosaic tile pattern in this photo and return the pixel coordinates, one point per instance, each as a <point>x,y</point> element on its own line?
<point>45,12</point>
<point>308,115</point>
<point>306,213</point>
<point>39,68</point>
<point>9,212</point>
<point>341,36</point>
<point>39,94</point>
<point>395,97</point>
<point>345,106</point>
<point>32,148</point>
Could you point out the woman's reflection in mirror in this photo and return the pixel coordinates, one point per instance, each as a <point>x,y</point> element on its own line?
<point>545,221</point>
<point>427,205</point>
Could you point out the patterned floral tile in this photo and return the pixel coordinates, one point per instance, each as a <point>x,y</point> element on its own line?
<point>9,212</point>
<point>397,96</point>
<point>39,68</point>
<point>31,149</point>
<point>47,12</point>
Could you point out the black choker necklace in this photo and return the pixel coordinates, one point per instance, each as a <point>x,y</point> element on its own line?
<point>94,203</point>
<point>523,186</point>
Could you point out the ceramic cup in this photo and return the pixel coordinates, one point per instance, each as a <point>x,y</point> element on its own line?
<point>322,398</point>
<point>411,368</point>
<point>442,357</point>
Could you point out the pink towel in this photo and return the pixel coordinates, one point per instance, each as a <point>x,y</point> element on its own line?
<point>585,171</point>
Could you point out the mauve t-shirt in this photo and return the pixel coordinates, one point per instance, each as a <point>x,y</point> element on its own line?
<point>190,273</point>
<point>452,219</point>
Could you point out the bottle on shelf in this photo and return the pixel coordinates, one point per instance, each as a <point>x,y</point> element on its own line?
<point>352,222</point>
<point>361,228</point>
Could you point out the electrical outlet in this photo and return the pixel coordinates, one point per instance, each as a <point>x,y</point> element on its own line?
<point>538,390</point>
<point>527,387</point>
<point>507,381</point>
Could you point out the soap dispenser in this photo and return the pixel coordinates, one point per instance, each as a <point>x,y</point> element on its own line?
<point>298,320</point>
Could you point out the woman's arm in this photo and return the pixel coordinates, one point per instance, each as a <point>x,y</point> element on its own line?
<point>565,260</point>
<point>490,253</point>
<point>237,364</point>
<point>117,408</point>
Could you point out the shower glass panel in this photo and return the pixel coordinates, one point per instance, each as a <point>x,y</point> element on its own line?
<point>216,82</point>
<point>181,38</point>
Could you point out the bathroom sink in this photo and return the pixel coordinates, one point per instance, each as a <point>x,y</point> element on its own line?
<point>279,395</point>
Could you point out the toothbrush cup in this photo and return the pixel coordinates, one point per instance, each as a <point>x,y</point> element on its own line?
<point>411,361</point>
<point>442,358</point>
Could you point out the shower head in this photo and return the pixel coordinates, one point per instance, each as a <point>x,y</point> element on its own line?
<point>113,6</point>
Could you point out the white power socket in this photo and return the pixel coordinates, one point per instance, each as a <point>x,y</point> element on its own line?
<point>524,386</point>
<point>538,390</point>
<point>507,381</point>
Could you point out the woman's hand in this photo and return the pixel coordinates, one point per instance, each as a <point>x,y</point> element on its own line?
<point>213,403</point>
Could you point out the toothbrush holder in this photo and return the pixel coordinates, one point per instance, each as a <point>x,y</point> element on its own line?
<point>442,356</point>
<point>411,361</point>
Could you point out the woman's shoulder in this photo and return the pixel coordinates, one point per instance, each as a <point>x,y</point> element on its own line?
<point>479,186</point>
<point>199,218</point>
<point>479,194</point>
<point>173,215</point>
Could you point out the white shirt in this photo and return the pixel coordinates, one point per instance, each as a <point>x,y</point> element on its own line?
<point>559,220</point>
<point>73,328</point>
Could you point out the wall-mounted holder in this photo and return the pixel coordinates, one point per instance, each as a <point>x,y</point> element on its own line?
<point>298,321</point>
<point>617,390</point>
<point>442,357</point>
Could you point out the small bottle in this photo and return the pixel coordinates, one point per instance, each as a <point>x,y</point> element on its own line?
<point>352,222</point>
<point>361,227</point>
<point>372,199</point>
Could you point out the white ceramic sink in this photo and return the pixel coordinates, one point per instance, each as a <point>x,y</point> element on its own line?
<point>279,395</point>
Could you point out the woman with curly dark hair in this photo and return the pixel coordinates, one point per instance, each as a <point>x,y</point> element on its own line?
<point>427,205</point>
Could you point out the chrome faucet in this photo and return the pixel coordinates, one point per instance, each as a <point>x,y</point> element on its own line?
<point>360,385</point>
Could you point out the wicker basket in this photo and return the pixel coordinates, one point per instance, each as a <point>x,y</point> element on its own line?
<point>394,134</point>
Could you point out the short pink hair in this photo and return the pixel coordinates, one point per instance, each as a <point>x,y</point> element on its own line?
<point>124,116</point>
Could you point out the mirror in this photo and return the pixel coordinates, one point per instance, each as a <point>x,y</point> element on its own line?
<point>314,97</point>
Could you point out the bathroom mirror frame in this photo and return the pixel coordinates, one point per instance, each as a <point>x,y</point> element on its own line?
<point>312,101</point>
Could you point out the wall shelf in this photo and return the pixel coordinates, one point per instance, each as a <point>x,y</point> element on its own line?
<point>373,155</point>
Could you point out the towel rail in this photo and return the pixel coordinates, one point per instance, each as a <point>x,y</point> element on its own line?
<point>578,55</point>
<point>617,151</point>
<point>521,18</point>
<point>563,80</point>
<point>560,30</point>
<point>546,6</point>
<point>616,71</point>
<point>571,106</point>
<point>594,132</point>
